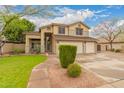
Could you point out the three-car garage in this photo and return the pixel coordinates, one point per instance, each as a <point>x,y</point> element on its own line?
<point>82,47</point>
<point>84,44</point>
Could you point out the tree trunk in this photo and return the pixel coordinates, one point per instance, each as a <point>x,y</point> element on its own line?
<point>111,46</point>
<point>1,45</point>
<point>0,51</point>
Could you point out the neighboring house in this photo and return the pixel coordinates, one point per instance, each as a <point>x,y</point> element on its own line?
<point>51,36</point>
<point>103,45</point>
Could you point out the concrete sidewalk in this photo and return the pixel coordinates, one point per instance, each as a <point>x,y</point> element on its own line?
<point>117,84</point>
<point>108,66</point>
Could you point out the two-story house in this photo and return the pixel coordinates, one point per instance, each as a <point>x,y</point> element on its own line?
<point>51,36</point>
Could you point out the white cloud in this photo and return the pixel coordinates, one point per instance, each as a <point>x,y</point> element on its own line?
<point>1,7</point>
<point>114,6</point>
<point>103,15</point>
<point>100,11</point>
<point>66,15</point>
<point>109,6</point>
<point>73,16</point>
<point>120,23</point>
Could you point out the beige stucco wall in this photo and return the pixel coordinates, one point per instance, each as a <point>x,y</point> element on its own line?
<point>115,46</point>
<point>8,47</point>
<point>90,47</point>
<point>118,46</point>
<point>123,48</point>
<point>19,46</point>
<point>69,30</point>
<point>56,30</point>
<point>72,29</point>
<point>54,45</point>
<point>103,47</point>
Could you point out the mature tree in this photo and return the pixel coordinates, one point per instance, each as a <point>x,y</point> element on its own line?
<point>14,30</point>
<point>108,30</point>
<point>42,11</point>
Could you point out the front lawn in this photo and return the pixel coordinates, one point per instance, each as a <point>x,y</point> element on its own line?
<point>15,70</point>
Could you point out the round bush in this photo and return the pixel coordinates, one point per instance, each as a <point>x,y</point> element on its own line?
<point>117,50</point>
<point>113,50</point>
<point>74,70</point>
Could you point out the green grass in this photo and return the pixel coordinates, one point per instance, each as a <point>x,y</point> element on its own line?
<point>15,70</point>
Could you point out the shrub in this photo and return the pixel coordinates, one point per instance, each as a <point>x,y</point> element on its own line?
<point>113,50</point>
<point>117,50</point>
<point>18,51</point>
<point>74,70</point>
<point>67,54</point>
<point>37,50</point>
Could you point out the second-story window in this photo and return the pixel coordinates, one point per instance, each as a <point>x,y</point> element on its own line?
<point>61,30</point>
<point>79,31</point>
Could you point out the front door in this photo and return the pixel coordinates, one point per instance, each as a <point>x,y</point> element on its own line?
<point>48,42</point>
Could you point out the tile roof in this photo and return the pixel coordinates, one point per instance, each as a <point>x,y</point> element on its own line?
<point>74,38</point>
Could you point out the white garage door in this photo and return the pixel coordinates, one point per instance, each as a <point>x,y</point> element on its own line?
<point>90,47</point>
<point>78,44</point>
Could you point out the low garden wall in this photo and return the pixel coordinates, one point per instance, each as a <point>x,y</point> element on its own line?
<point>10,47</point>
<point>105,47</point>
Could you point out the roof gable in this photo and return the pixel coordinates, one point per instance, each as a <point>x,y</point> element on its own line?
<point>79,23</point>
<point>59,24</point>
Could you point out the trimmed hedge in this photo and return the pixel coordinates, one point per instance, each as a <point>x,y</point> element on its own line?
<point>67,54</point>
<point>74,70</point>
<point>18,51</point>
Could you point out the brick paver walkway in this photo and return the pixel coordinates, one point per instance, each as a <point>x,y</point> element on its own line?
<point>39,77</point>
<point>50,75</point>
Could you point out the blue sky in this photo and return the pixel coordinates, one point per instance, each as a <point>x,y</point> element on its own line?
<point>89,14</point>
<point>112,11</point>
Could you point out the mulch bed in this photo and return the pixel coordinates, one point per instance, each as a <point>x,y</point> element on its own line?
<point>59,79</point>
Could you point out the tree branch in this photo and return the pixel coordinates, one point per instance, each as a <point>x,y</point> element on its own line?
<point>116,35</point>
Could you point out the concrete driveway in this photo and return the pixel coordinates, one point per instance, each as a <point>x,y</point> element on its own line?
<point>108,66</point>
